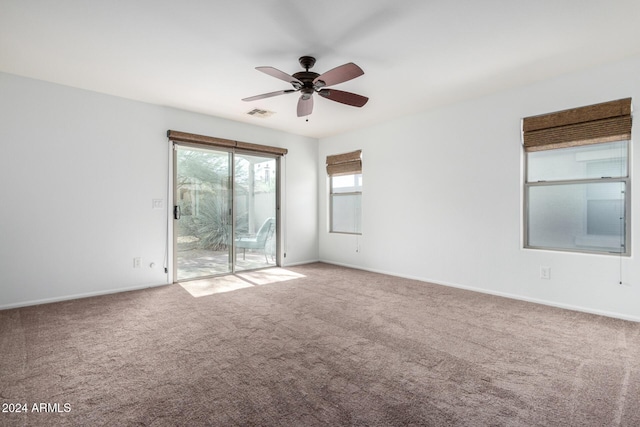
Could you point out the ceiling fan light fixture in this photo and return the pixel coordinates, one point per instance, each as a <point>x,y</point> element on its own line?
<point>308,82</point>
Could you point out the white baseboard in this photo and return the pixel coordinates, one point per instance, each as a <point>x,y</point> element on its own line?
<point>77,296</point>
<point>496,293</point>
<point>286,264</point>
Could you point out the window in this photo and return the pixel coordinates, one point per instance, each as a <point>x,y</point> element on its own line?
<point>346,195</point>
<point>576,191</point>
<point>577,198</point>
<point>345,192</point>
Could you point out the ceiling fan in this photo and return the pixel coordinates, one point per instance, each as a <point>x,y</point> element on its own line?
<point>307,83</point>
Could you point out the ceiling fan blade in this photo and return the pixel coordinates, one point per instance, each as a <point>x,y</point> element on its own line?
<point>337,75</point>
<point>268,95</point>
<point>305,105</point>
<point>278,74</point>
<point>343,97</point>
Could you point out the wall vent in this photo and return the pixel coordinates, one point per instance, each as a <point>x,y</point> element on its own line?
<point>256,112</point>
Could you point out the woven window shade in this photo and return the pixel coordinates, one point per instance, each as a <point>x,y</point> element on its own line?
<point>219,142</point>
<point>593,124</point>
<point>344,164</point>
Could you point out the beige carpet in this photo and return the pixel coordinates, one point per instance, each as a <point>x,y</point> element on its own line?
<point>316,345</point>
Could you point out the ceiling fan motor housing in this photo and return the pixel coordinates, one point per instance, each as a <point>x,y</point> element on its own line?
<point>306,77</point>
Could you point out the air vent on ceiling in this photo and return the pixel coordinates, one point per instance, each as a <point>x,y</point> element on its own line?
<point>256,112</point>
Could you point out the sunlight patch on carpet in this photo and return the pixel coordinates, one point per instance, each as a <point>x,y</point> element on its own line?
<point>204,287</point>
<point>216,285</point>
<point>272,275</point>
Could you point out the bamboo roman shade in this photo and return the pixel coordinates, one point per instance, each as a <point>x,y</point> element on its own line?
<point>593,124</point>
<point>219,142</point>
<point>344,164</point>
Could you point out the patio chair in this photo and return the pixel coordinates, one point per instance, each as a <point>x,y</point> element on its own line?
<point>260,239</point>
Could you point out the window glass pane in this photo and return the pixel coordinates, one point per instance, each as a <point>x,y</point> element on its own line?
<point>589,217</point>
<point>584,162</point>
<point>346,183</point>
<point>345,215</point>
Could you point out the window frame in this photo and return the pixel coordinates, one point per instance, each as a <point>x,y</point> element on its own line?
<point>333,194</point>
<point>626,180</point>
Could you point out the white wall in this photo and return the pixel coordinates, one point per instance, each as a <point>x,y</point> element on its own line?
<point>79,171</point>
<point>449,210</point>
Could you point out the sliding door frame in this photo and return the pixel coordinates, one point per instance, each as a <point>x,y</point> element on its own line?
<point>232,188</point>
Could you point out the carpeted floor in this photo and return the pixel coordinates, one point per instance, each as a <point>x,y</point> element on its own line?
<point>317,345</point>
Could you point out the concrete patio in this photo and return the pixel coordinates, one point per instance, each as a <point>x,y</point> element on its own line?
<point>197,263</point>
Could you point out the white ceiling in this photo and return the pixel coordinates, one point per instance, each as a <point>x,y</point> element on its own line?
<point>200,55</point>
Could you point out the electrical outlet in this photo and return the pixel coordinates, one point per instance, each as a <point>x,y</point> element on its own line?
<point>545,273</point>
<point>137,262</point>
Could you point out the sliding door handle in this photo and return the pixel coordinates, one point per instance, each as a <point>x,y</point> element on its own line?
<point>176,212</point>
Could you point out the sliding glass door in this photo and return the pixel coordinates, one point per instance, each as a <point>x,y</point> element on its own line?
<point>202,212</point>
<point>224,212</point>
<point>255,211</point>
